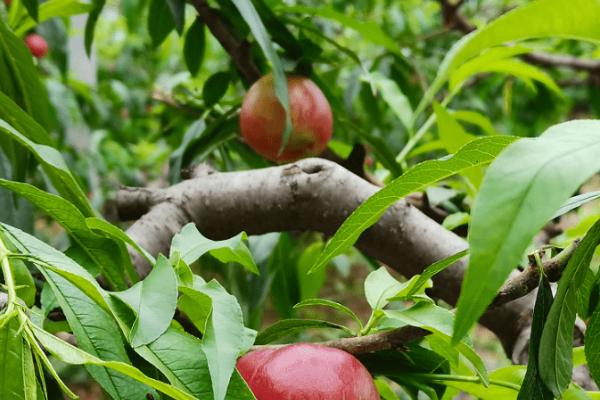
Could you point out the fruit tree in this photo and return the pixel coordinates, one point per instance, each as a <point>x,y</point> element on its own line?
<point>299,199</point>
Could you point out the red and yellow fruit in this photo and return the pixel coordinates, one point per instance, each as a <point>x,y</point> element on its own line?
<point>37,45</point>
<point>262,119</point>
<point>306,372</point>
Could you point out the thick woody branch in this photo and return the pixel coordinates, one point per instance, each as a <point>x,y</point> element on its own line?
<point>310,195</point>
<point>239,50</point>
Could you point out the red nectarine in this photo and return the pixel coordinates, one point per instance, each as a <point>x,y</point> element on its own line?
<point>37,45</point>
<point>262,119</point>
<point>306,371</point>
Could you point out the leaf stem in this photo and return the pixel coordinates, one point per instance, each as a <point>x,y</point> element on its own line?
<point>464,378</point>
<point>8,278</point>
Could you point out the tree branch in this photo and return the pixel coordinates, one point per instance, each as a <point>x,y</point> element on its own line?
<point>309,195</point>
<point>237,49</point>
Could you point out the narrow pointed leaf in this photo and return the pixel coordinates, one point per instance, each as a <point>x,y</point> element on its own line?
<point>248,12</point>
<point>533,386</point>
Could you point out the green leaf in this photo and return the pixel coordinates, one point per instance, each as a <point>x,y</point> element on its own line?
<point>215,88</point>
<point>46,257</point>
<point>100,250</point>
<point>286,327</point>
<point>478,152</point>
<point>102,226</point>
<point>331,304</point>
<point>17,376</point>
<point>82,302</point>
<point>575,19</point>
<point>191,245</point>
<point>579,356</point>
<point>53,9</point>
<point>500,60</point>
<point>248,12</point>
<point>592,345</point>
<point>309,284</point>
<point>555,361</point>
<point>160,21</point>
<point>521,191</point>
<point>452,134</point>
<point>433,270</point>
<point>533,387</point>
<point>22,122</point>
<point>368,30</point>
<point>177,9</point>
<point>575,202</point>
<point>98,334</point>
<point>72,355</point>
<point>90,24</point>
<point>380,286</point>
<point>179,356</point>
<point>32,8</point>
<point>19,78</point>
<point>521,70</point>
<point>475,118</point>
<point>224,338</point>
<point>55,168</point>
<point>456,220</point>
<point>154,301</point>
<point>393,96</point>
<point>194,46</point>
<point>196,305</point>
<point>24,282</point>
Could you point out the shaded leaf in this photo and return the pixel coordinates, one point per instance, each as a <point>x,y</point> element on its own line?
<point>194,46</point>
<point>90,24</point>
<point>160,21</point>
<point>533,387</point>
<point>555,361</point>
<point>215,87</point>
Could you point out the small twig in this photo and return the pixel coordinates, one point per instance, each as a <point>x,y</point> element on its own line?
<point>238,50</point>
<point>528,280</point>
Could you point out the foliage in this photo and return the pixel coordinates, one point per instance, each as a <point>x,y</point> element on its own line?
<point>465,119</point>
